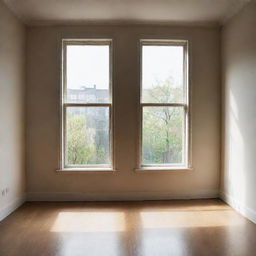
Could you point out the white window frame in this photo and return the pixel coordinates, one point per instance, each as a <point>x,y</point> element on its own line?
<point>63,163</point>
<point>186,106</point>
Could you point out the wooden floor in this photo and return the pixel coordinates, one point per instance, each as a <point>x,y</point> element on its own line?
<point>192,227</point>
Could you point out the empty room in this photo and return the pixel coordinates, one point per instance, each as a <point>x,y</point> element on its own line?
<point>127,128</point>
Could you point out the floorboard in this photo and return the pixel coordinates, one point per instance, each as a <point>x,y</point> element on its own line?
<point>150,228</point>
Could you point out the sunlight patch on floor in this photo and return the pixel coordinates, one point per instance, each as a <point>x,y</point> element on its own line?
<point>173,219</point>
<point>89,222</point>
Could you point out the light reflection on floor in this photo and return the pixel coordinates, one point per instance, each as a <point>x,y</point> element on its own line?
<point>174,219</point>
<point>154,231</point>
<point>179,228</point>
<point>89,222</point>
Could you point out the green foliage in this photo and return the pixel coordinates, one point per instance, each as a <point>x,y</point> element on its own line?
<point>162,130</point>
<point>163,92</point>
<point>162,126</point>
<point>81,148</point>
<point>86,144</point>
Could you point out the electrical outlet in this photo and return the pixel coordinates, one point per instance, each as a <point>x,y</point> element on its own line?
<point>3,192</point>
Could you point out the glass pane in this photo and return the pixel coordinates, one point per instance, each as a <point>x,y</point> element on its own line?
<point>162,74</point>
<point>87,74</point>
<point>87,135</point>
<point>163,135</point>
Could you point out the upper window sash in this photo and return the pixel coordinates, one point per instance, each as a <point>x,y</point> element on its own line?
<point>71,73</point>
<point>180,70</point>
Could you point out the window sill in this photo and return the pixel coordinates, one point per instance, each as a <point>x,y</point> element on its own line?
<point>86,170</point>
<point>162,169</point>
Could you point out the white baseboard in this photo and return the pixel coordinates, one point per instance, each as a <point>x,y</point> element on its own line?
<point>240,207</point>
<point>121,196</point>
<point>11,207</point>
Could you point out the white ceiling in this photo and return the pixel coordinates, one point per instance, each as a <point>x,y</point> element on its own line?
<point>125,11</point>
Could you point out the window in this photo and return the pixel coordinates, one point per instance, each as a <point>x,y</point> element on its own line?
<point>86,104</point>
<point>164,104</point>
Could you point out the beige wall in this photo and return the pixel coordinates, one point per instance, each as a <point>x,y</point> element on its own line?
<point>12,60</point>
<point>43,87</point>
<point>239,106</point>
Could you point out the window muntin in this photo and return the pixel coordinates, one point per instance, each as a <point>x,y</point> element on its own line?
<point>164,104</point>
<point>86,104</point>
